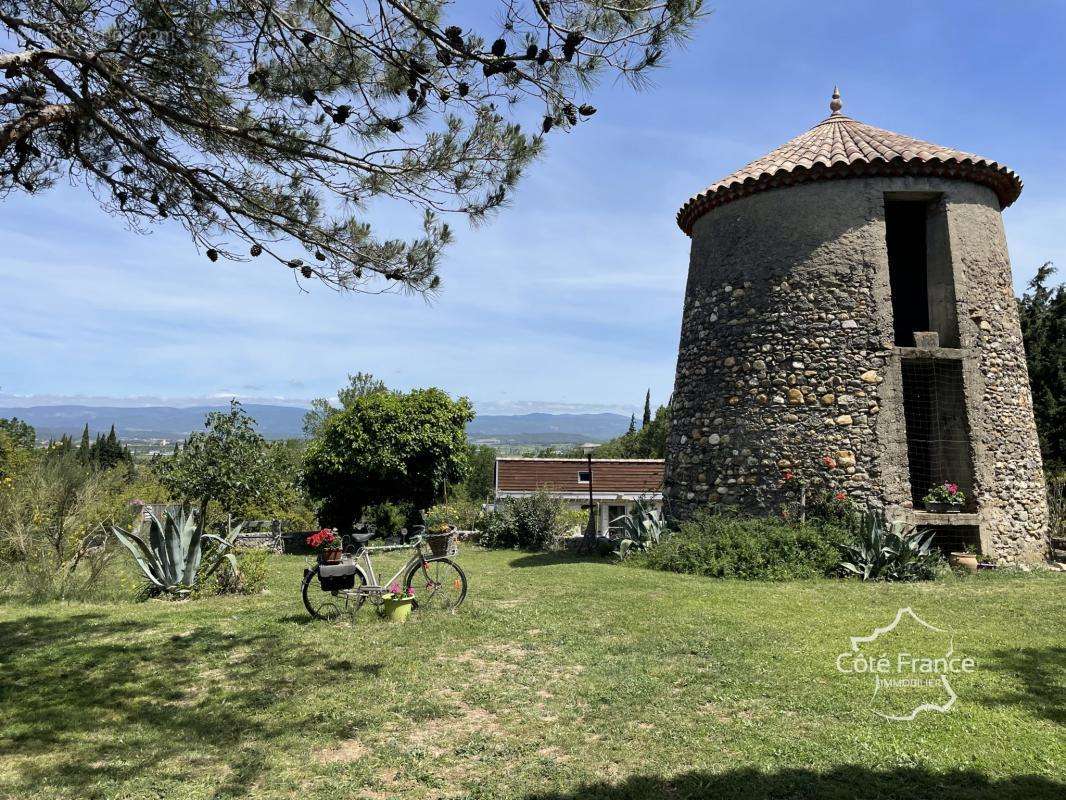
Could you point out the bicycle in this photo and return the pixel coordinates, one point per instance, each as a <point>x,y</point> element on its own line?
<point>434,582</point>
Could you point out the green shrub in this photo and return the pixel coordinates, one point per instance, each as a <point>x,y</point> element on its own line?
<point>54,518</point>
<point>388,518</point>
<point>1056,496</point>
<point>727,545</point>
<point>459,512</point>
<point>249,577</point>
<point>528,523</point>
<point>892,552</point>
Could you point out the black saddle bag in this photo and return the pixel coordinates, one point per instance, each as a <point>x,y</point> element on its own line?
<point>336,577</point>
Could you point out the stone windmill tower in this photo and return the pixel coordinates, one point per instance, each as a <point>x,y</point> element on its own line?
<point>850,324</point>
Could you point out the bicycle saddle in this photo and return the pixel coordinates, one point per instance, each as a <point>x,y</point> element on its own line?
<point>361,538</point>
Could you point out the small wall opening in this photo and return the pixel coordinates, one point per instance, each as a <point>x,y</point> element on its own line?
<point>938,433</point>
<point>956,538</point>
<point>919,264</point>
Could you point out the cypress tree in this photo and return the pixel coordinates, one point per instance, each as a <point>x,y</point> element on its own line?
<point>84,446</point>
<point>647,410</point>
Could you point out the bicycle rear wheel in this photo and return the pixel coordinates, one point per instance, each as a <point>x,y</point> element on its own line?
<point>330,606</point>
<point>439,583</point>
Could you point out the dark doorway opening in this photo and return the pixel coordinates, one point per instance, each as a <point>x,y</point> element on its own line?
<point>956,538</point>
<point>938,433</point>
<point>920,272</point>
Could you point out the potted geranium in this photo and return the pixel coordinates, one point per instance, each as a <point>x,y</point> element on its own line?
<point>947,497</point>
<point>329,545</point>
<point>397,603</point>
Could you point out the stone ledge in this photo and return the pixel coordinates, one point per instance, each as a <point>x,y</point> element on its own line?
<point>956,353</point>
<point>962,518</point>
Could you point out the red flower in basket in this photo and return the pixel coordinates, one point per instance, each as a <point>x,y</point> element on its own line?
<point>325,540</point>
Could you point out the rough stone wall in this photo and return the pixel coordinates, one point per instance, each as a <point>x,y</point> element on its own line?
<point>787,368</point>
<point>1011,492</point>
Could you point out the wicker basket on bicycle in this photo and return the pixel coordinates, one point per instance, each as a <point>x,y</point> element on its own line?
<point>442,543</point>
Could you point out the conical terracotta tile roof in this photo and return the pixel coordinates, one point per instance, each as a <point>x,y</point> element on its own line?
<point>840,147</point>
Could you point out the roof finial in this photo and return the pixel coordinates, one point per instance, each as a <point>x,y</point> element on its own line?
<point>835,105</point>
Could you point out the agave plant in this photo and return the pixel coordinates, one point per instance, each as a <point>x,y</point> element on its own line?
<point>892,552</point>
<point>173,557</point>
<point>641,528</point>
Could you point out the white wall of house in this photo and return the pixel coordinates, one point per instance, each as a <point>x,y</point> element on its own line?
<point>608,506</point>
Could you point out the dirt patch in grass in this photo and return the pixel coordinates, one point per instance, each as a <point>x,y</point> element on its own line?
<point>343,752</point>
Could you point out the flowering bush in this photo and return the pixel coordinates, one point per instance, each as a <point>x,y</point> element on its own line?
<point>324,540</point>
<point>396,591</point>
<point>946,493</point>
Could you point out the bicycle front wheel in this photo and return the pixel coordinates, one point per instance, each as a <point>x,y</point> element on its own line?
<point>331,606</point>
<point>439,584</point>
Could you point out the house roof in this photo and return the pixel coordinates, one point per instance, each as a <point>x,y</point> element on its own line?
<point>622,476</point>
<point>841,147</point>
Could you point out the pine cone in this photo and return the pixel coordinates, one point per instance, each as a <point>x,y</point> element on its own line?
<point>544,56</point>
<point>464,89</point>
<point>499,47</point>
<point>587,110</point>
<point>306,271</point>
<point>256,250</point>
<point>320,255</point>
<point>212,254</point>
<point>307,38</point>
<point>341,114</point>
<point>531,51</point>
<point>412,95</point>
<point>308,96</point>
<point>547,124</point>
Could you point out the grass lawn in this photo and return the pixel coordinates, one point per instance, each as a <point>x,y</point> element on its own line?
<point>557,679</point>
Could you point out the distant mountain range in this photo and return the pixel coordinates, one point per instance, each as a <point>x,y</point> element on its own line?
<point>285,422</point>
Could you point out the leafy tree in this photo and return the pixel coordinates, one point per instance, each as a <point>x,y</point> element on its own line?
<point>480,482</point>
<point>1043,317</point>
<point>387,447</point>
<point>286,501</point>
<point>272,126</point>
<point>228,463</point>
<point>647,442</point>
<point>359,385</point>
<point>21,433</point>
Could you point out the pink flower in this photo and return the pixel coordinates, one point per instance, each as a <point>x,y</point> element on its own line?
<point>829,461</point>
<point>840,496</point>
<point>953,488</point>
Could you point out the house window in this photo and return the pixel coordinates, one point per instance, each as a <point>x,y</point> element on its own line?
<point>615,517</point>
<point>584,476</point>
<point>919,267</point>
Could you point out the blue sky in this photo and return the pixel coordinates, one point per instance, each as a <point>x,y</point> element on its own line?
<point>570,299</point>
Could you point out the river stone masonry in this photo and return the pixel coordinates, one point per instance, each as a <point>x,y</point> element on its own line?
<point>787,367</point>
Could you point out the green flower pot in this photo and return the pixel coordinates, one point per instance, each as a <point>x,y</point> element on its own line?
<point>397,608</point>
